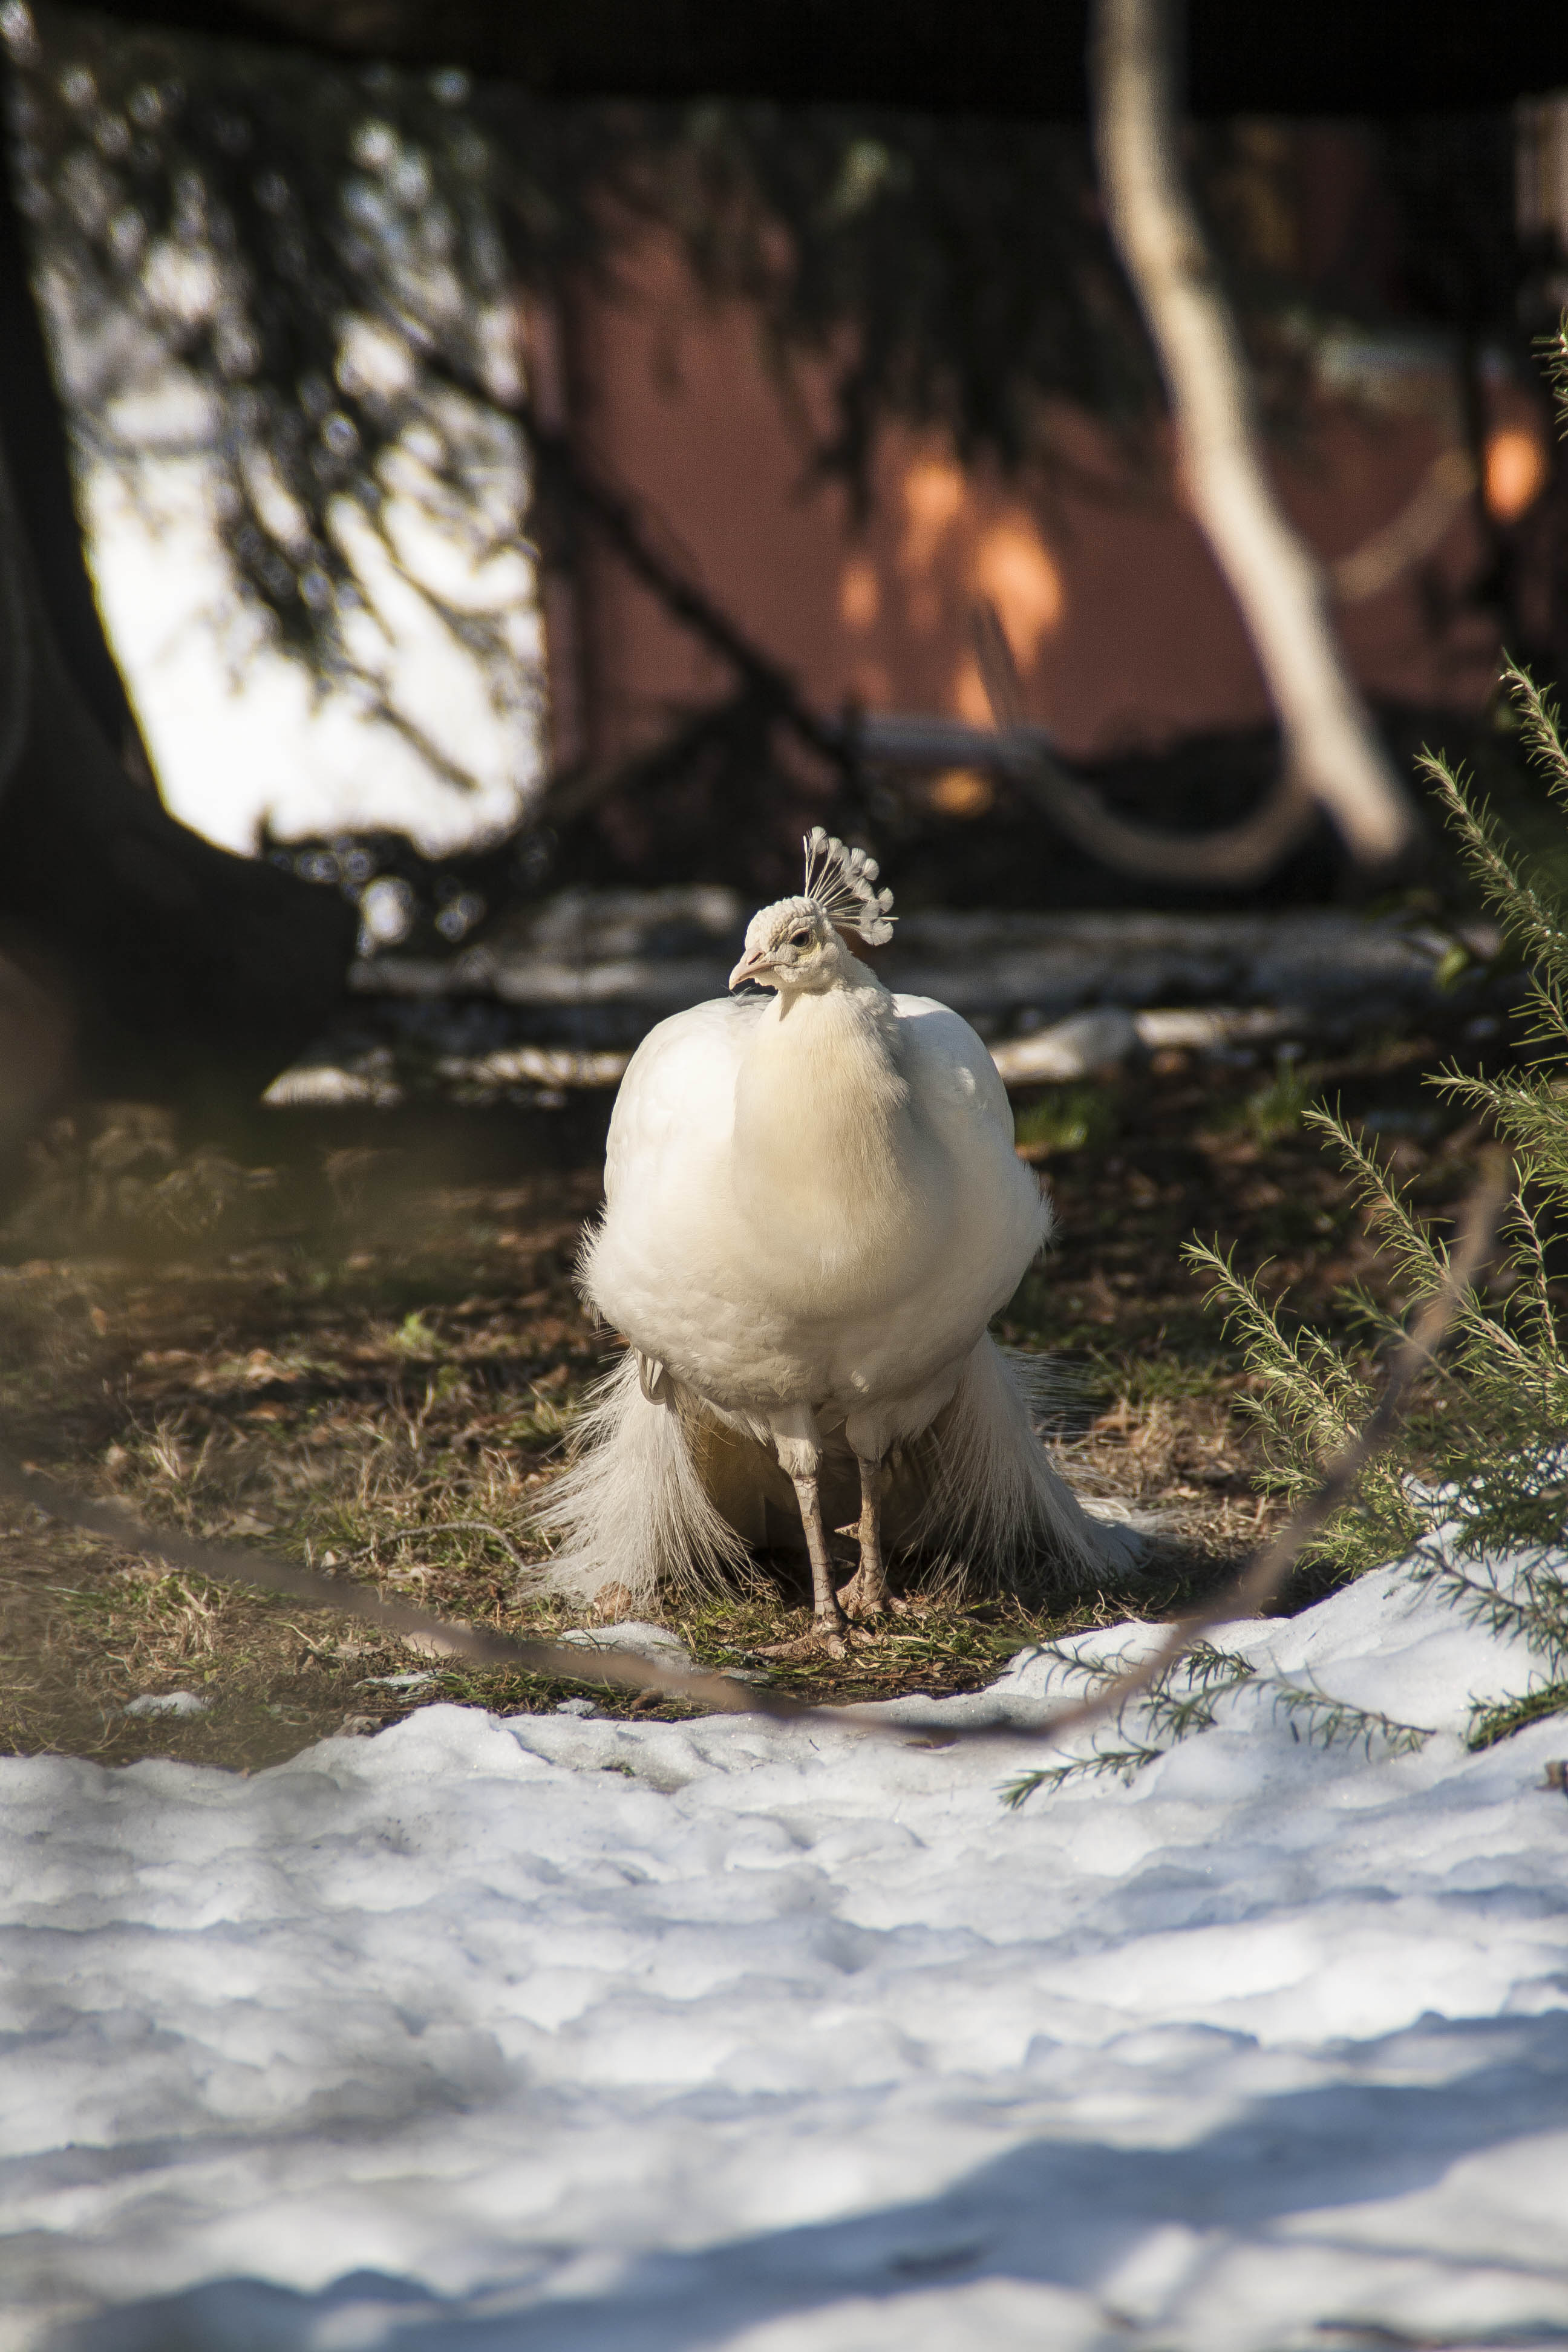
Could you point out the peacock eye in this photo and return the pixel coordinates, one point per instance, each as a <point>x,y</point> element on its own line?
<point>800,939</point>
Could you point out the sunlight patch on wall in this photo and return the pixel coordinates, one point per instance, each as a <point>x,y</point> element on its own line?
<point>961,793</point>
<point>1015,570</point>
<point>1515,472</point>
<point>859,593</point>
<point>970,699</point>
<point>934,494</point>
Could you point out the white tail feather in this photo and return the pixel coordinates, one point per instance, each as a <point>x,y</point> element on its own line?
<point>632,1509</point>
<point>998,1514</point>
<point>992,1512</point>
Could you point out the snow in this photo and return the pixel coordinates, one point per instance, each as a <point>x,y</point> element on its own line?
<point>580,2035</point>
<point>181,1703</point>
<point>635,1634</point>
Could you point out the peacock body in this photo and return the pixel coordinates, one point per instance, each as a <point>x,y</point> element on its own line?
<point>813,1210</point>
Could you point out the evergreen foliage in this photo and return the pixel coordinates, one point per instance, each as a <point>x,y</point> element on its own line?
<point>1477,1487</point>
<point>957,274</point>
<point>1189,1696</point>
<point>329,256</point>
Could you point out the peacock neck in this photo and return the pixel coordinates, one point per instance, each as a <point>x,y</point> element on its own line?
<point>828,1157</point>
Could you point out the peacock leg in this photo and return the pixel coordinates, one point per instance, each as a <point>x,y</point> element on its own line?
<point>798,1441</point>
<point>830,1619</point>
<point>866,1594</point>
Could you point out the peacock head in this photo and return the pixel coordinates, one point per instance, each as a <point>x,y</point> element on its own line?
<point>794,944</point>
<point>788,946</point>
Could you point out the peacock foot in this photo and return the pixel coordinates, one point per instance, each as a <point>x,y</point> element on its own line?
<point>860,1599</point>
<point>864,1598</point>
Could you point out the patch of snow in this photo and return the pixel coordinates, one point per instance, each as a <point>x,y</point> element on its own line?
<point>538,1065</point>
<point>317,1083</point>
<point>1384,1643</point>
<point>176,1703</point>
<point>605,2036</point>
<point>635,1634</point>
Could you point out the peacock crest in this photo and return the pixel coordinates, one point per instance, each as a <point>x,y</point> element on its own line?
<point>842,882</point>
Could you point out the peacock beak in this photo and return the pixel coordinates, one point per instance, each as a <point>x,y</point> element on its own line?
<point>752,966</point>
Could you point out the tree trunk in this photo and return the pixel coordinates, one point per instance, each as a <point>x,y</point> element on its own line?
<point>1331,750</point>
<point>177,962</point>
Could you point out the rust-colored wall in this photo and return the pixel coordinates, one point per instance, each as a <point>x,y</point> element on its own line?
<point>1121,627</point>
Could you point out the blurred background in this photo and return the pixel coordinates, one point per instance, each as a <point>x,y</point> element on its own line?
<point>456,457</point>
<point>479,482</point>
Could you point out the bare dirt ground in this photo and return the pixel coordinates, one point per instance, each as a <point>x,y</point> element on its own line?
<point>358,1345</point>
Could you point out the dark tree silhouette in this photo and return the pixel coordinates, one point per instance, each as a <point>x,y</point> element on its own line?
<point>165,956</point>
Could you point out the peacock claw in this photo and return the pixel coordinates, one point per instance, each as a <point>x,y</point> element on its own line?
<point>861,1611</point>
<point>881,1603</point>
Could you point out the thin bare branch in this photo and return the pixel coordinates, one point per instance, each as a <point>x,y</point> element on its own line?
<point>1408,538</point>
<point>627,525</point>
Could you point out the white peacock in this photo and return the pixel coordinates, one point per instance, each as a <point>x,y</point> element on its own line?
<point>813,1210</point>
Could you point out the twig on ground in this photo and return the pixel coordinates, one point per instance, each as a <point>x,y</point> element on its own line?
<point>1264,1576</point>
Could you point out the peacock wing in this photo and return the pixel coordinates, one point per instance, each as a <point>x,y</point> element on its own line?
<point>676,1101</point>
<point>950,1071</point>
<point>1000,1218</point>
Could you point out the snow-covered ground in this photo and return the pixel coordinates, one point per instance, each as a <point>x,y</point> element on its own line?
<point>559,2033</point>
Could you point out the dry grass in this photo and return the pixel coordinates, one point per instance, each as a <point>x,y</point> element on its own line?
<point>365,1363</point>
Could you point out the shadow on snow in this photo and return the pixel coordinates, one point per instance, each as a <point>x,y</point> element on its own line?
<point>1054,2213</point>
